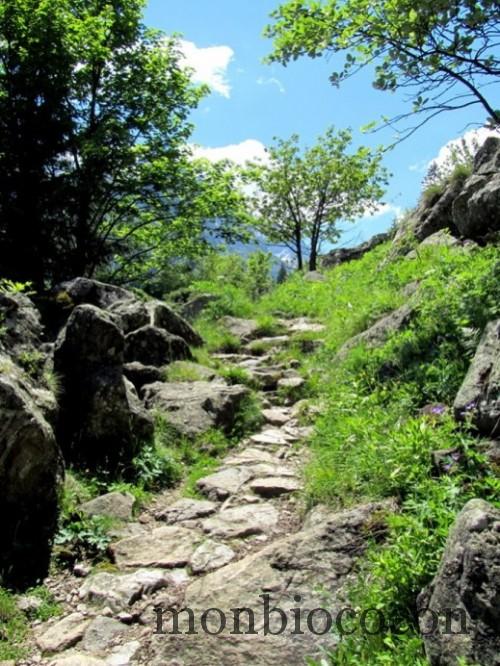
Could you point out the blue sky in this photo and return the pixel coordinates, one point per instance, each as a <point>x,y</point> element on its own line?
<point>252,102</point>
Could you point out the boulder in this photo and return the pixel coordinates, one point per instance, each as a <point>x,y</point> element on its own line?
<point>210,556</point>
<point>192,408</point>
<point>476,208</point>
<point>379,333</point>
<point>101,421</point>
<point>21,326</point>
<point>479,395</point>
<point>343,254</point>
<point>140,374</point>
<point>195,306</point>
<point>441,238</point>
<point>459,612</point>
<point>114,505</point>
<point>154,346</point>
<point>130,315</point>
<point>487,158</point>
<point>84,290</point>
<point>31,471</point>
<point>243,329</point>
<point>162,316</point>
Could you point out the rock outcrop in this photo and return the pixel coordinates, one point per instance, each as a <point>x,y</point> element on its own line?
<point>101,420</point>
<point>31,471</point>
<point>380,332</point>
<point>342,254</point>
<point>460,610</point>
<point>192,408</point>
<point>479,395</point>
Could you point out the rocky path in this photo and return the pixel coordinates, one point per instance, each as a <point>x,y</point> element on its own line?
<point>245,543</point>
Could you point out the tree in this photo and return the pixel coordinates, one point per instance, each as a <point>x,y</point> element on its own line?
<point>443,53</point>
<point>94,124</point>
<point>300,196</point>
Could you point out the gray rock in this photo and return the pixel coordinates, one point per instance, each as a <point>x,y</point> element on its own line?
<point>379,333</point>
<point>210,556</point>
<point>130,314</point>
<point>314,276</point>
<point>343,254</point>
<point>192,408</point>
<point>242,521</point>
<point>122,655</point>
<point>243,329</point>
<point>226,482</point>
<point>21,323</point>
<point>441,238</point>
<point>195,306</point>
<point>274,486</point>
<point>303,325</point>
<point>140,374</point>
<point>63,634</point>
<point>162,316</point>
<point>467,583</point>
<point>186,509</point>
<point>276,416</point>
<point>487,158</point>
<point>115,505</point>
<point>101,634</point>
<point>291,383</point>
<point>84,290</point>
<point>479,395</point>
<point>101,420</point>
<point>165,547</point>
<point>192,371</point>
<point>120,591</point>
<point>154,346</point>
<point>475,210</point>
<point>77,659</point>
<point>31,472</point>
<point>271,436</point>
<point>315,564</point>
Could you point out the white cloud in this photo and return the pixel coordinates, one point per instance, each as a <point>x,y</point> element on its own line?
<point>272,81</point>
<point>382,209</point>
<point>240,153</point>
<point>477,135</point>
<point>209,64</point>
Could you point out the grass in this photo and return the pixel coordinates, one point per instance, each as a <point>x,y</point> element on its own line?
<point>372,442</point>
<point>13,628</point>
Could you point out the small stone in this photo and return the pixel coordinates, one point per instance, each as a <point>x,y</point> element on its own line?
<point>101,633</point>
<point>123,654</point>
<point>77,659</point>
<point>186,509</point>
<point>115,505</point>
<point>276,416</point>
<point>278,437</point>
<point>224,483</point>
<point>274,486</point>
<point>210,556</point>
<point>117,591</point>
<point>81,570</point>
<point>166,547</point>
<point>63,634</point>
<point>242,521</point>
<point>291,383</point>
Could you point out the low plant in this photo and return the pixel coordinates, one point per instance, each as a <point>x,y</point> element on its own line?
<point>13,628</point>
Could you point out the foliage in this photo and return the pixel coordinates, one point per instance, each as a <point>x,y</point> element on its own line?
<point>372,442</point>
<point>443,54</point>
<point>302,195</point>
<point>82,537</point>
<point>458,165</point>
<point>155,468</point>
<point>48,607</point>
<point>13,628</point>
<point>94,159</point>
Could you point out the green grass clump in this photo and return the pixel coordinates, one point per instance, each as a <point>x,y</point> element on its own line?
<point>13,628</point>
<point>372,442</point>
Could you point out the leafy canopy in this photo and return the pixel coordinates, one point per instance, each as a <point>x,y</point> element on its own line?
<point>441,52</point>
<point>300,196</point>
<point>94,161</point>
